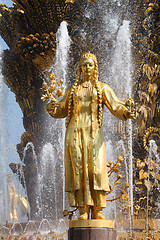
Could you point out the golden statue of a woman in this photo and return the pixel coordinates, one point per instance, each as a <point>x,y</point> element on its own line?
<point>86,179</point>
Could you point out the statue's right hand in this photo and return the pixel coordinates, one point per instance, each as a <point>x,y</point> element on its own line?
<point>54,104</point>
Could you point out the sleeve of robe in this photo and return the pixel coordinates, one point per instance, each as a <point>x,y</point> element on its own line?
<point>116,107</point>
<point>61,110</point>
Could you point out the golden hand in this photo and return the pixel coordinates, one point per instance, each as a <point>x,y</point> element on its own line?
<point>129,114</point>
<point>129,103</point>
<point>52,106</point>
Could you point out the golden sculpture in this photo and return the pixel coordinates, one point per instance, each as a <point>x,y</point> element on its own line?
<point>86,178</point>
<point>14,200</point>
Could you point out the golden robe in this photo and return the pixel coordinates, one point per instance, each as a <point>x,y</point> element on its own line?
<point>86,178</point>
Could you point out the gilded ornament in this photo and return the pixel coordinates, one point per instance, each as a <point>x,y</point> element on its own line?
<point>49,91</point>
<point>147,134</point>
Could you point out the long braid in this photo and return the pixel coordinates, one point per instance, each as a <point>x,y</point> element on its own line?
<point>99,94</point>
<point>71,96</point>
<point>100,109</point>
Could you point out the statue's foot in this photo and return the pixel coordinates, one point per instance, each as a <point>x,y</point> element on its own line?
<point>83,216</point>
<point>97,213</point>
<point>84,213</point>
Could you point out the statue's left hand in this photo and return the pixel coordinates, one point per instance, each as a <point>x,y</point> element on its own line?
<point>129,114</point>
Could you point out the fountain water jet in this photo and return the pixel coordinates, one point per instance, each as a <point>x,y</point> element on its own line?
<point>3,147</point>
<point>120,79</point>
<point>61,66</point>
<point>48,164</point>
<point>152,154</point>
<point>52,158</point>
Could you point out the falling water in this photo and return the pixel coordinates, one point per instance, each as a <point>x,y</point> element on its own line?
<point>28,146</point>
<point>51,167</point>
<point>123,51</point>
<point>152,155</point>
<point>120,81</point>
<point>48,167</point>
<point>62,58</point>
<point>62,51</point>
<point>121,63</point>
<point>123,71</point>
<point>3,144</point>
<point>121,147</point>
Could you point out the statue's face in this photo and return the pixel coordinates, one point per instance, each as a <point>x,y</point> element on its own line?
<point>88,67</point>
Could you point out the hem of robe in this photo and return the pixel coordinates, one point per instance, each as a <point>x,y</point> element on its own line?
<point>77,198</point>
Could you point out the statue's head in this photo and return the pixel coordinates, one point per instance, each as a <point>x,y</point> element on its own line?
<point>91,59</point>
<point>88,55</point>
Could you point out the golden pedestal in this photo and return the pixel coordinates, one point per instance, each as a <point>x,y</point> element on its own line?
<point>91,223</point>
<point>95,229</point>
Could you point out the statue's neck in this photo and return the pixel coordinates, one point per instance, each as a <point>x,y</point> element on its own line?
<point>87,79</point>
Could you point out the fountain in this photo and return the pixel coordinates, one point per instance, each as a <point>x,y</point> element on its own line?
<point>124,37</point>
